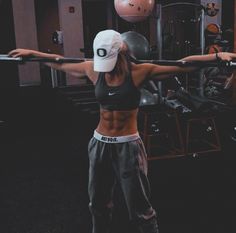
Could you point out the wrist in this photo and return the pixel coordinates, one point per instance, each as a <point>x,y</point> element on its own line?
<point>217,57</point>
<point>31,53</point>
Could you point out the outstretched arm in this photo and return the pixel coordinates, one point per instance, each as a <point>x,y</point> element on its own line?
<point>154,71</point>
<point>75,69</point>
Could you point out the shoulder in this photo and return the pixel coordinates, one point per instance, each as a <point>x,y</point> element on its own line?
<point>140,72</point>
<point>142,66</point>
<point>88,65</point>
<point>143,69</point>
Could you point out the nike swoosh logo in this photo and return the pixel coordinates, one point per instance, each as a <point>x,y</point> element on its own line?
<point>111,93</point>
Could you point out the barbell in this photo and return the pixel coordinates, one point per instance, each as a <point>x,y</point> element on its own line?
<point>181,63</point>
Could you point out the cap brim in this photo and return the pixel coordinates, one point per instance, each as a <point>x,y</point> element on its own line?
<point>104,65</point>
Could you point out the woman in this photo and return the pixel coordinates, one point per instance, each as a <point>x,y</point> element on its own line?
<point>116,151</point>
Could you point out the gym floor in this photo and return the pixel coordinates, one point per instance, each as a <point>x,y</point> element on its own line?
<point>44,174</point>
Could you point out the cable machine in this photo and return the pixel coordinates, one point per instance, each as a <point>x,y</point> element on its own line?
<point>159,10</point>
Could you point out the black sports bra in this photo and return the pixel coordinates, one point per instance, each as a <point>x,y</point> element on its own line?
<point>117,98</point>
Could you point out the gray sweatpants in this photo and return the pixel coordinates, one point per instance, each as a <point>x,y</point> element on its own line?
<point>125,163</point>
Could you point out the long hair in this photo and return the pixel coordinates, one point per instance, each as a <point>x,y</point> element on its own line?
<point>122,64</point>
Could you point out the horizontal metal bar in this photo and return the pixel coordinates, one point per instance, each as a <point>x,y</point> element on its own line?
<point>6,58</point>
<point>180,63</point>
<point>10,59</point>
<point>181,4</point>
<point>226,64</point>
<point>56,60</point>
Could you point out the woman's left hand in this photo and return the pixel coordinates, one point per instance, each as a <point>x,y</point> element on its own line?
<point>225,56</point>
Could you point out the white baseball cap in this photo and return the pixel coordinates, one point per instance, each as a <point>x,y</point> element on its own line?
<point>106,47</point>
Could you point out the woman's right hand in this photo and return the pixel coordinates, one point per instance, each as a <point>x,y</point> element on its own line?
<point>21,53</point>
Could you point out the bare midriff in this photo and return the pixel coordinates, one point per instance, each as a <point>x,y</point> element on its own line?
<point>117,123</point>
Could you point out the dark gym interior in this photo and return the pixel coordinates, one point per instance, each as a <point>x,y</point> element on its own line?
<point>45,126</point>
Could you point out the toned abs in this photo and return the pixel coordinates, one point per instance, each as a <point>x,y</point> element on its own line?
<point>117,123</point>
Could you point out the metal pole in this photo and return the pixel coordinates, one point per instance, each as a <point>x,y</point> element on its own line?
<point>159,44</point>
<point>181,63</point>
<point>159,31</point>
<point>234,73</point>
<point>54,78</point>
<point>202,31</point>
<point>202,43</point>
<point>234,26</point>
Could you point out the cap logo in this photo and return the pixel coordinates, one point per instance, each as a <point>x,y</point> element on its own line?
<point>101,52</point>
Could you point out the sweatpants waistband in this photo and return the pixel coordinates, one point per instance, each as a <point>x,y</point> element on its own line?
<point>118,139</point>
